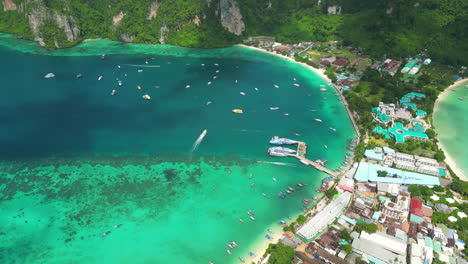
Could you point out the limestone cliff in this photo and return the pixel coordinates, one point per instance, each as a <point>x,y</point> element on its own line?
<point>231,17</point>
<point>153,10</point>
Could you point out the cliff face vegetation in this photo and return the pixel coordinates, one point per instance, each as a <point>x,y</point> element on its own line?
<point>392,27</point>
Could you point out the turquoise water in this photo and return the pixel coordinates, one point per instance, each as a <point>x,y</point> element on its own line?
<point>451,124</point>
<point>76,161</point>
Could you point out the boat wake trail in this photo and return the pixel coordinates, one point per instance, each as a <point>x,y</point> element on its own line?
<point>198,141</point>
<point>277,163</point>
<point>146,66</point>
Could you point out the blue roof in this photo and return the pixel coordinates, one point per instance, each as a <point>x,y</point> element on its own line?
<point>347,219</point>
<point>420,112</point>
<point>376,216</point>
<point>369,153</point>
<point>442,172</point>
<point>387,149</point>
<point>368,172</point>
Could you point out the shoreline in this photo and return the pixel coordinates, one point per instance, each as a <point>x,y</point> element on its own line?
<point>321,74</point>
<point>448,158</point>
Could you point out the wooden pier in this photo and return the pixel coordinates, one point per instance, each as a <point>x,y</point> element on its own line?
<point>301,156</point>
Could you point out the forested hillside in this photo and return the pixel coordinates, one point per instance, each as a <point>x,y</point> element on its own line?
<point>391,27</point>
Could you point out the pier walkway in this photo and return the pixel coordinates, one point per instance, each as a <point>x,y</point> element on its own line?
<point>300,155</point>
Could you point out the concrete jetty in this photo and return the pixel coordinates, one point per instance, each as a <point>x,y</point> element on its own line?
<point>301,156</point>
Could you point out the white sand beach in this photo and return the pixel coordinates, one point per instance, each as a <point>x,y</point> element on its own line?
<point>320,72</point>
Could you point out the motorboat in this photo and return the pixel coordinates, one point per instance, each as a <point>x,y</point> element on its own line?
<point>300,184</point>
<point>237,111</point>
<point>119,82</point>
<point>103,56</point>
<point>209,83</point>
<point>252,185</point>
<point>280,151</point>
<point>333,129</point>
<point>265,195</point>
<point>146,62</point>
<point>117,226</point>
<point>325,146</point>
<point>305,201</point>
<point>217,71</point>
<point>252,218</point>
<point>250,212</point>
<point>270,231</point>
<point>237,81</point>
<point>250,176</point>
<point>99,78</point>
<point>240,220</point>
<point>296,84</point>
<point>113,92</point>
<point>140,70</point>
<point>281,141</point>
<point>281,195</point>
<point>291,188</point>
<point>318,120</point>
<point>242,259</point>
<point>242,93</point>
<point>256,89</point>
<point>215,77</point>
<point>288,191</point>
<point>274,179</point>
<point>106,233</point>
<point>216,64</point>
<point>276,86</point>
<point>139,87</point>
<point>146,97</point>
<point>274,108</point>
<point>208,103</point>
<point>49,75</point>
<point>286,114</point>
<point>282,223</point>
<point>323,89</point>
<point>202,64</point>
<point>79,76</point>
<point>187,86</point>
<point>228,251</point>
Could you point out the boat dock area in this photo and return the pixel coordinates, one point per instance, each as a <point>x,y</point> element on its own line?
<point>300,154</point>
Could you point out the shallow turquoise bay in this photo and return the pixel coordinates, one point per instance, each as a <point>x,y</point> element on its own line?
<point>76,161</point>
<point>451,124</point>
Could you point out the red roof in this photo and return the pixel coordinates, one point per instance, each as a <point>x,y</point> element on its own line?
<point>416,207</point>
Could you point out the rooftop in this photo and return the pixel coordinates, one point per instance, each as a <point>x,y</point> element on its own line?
<point>400,133</point>
<point>368,172</point>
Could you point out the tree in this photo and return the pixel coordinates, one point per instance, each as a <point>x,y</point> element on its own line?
<point>345,235</point>
<point>439,156</point>
<point>347,248</point>
<point>382,173</point>
<point>301,219</point>
<point>363,226</point>
<point>430,133</point>
<point>280,254</point>
<point>331,192</point>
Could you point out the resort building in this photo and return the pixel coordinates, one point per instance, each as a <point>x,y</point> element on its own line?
<point>400,133</point>
<point>388,157</point>
<point>325,217</point>
<point>367,172</point>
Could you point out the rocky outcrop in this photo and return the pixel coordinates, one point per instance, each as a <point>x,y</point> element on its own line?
<point>153,10</point>
<point>8,5</point>
<point>334,10</point>
<point>36,19</point>
<point>127,38</point>
<point>231,17</point>
<point>163,31</point>
<point>196,20</point>
<point>117,18</point>
<point>68,25</point>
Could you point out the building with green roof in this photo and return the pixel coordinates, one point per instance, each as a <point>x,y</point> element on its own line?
<point>400,133</point>
<point>421,113</point>
<point>381,131</point>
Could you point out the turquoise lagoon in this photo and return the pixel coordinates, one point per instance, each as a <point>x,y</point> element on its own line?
<point>76,161</point>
